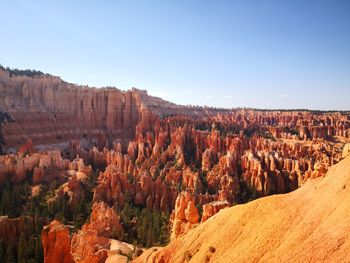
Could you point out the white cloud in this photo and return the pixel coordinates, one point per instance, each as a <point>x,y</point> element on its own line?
<point>233,96</point>
<point>209,97</point>
<point>284,96</point>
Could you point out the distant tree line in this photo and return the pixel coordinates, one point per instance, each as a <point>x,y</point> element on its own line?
<point>21,72</point>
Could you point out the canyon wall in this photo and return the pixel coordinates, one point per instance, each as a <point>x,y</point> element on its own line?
<point>50,111</point>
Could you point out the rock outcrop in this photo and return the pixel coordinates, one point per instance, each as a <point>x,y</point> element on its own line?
<point>92,243</point>
<point>310,224</point>
<point>51,113</point>
<point>212,208</point>
<point>42,167</point>
<point>56,243</point>
<point>346,150</point>
<point>185,216</point>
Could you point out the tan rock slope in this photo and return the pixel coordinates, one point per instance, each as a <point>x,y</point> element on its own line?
<point>311,224</point>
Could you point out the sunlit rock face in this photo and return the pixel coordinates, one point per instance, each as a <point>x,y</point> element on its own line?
<point>212,208</point>
<point>92,242</point>
<point>56,243</point>
<point>346,150</point>
<point>50,111</point>
<point>184,216</point>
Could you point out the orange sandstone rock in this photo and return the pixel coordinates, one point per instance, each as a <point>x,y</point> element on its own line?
<point>184,216</point>
<point>310,224</point>
<point>212,208</point>
<point>56,243</point>
<point>92,242</point>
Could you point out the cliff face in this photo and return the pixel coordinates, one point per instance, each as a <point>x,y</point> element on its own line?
<point>50,111</point>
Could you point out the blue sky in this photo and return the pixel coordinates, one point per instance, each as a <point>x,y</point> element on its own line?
<point>263,54</point>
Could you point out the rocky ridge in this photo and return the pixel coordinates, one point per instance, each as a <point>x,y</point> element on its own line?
<point>309,224</point>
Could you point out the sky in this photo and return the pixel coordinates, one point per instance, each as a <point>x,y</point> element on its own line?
<point>261,54</point>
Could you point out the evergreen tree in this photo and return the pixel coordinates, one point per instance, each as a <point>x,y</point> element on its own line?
<point>2,251</point>
<point>5,202</point>
<point>38,251</point>
<point>38,225</point>
<point>30,248</point>
<point>10,254</point>
<point>21,249</point>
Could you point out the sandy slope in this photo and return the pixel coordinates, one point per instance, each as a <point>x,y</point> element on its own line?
<point>311,224</point>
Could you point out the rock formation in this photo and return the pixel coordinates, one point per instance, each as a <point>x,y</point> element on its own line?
<point>212,208</point>
<point>346,150</point>
<point>312,220</point>
<point>60,111</point>
<point>92,242</point>
<point>185,215</point>
<point>56,243</point>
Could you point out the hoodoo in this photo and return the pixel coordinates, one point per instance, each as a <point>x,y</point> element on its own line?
<point>310,224</point>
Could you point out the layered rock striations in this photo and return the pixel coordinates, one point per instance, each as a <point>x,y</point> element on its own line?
<point>50,111</point>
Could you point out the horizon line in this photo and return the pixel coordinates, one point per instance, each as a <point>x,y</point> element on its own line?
<point>22,72</point>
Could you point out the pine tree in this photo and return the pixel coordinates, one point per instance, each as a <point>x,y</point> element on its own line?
<point>38,251</point>
<point>164,236</point>
<point>30,248</point>
<point>21,249</point>
<point>37,222</point>
<point>10,254</point>
<point>5,202</point>
<point>150,238</point>
<point>63,209</point>
<point>2,251</point>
